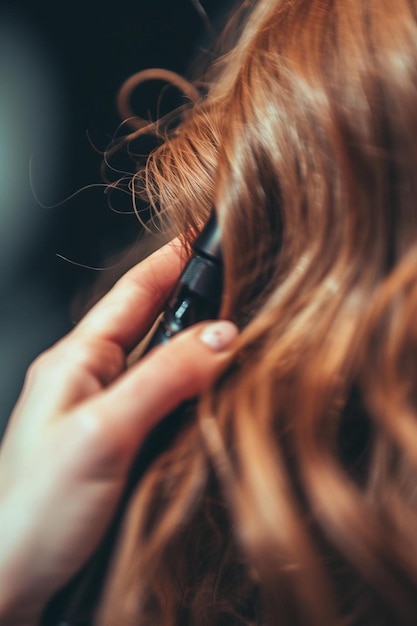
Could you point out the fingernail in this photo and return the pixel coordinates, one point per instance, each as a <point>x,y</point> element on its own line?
<point>219,335</point>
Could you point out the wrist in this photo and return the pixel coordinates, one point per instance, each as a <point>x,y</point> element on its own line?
<point>24,590</point>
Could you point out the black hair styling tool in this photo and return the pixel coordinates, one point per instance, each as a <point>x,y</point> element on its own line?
<point>197,294</point>
<point>195,298</point>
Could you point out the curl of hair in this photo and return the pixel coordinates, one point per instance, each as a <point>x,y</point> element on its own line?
<point>290,499</point>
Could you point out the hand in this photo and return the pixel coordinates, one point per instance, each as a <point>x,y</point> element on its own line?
<point>78,424</point>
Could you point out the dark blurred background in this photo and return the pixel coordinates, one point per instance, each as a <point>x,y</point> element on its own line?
<point>61,66</point>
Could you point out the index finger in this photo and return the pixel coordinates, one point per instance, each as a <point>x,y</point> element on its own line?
<point>128,310</point>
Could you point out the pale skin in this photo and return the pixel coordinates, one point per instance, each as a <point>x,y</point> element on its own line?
<point>81,418</point>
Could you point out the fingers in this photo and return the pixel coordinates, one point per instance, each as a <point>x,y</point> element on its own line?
<point>127,312</point>
<point>125,412</point>
<point>94,353</point>
<point>75,368</point>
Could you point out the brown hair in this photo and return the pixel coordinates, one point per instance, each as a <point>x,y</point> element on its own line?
<point>291,498</point>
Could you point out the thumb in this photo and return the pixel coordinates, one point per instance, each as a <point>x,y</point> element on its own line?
<point>153,387</point>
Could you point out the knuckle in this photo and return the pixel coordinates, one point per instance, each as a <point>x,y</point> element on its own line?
<point>104,360</point>
<point>103,448</point>
<point>70,359</point>
<point>90,428</point>
<point>145,286</point>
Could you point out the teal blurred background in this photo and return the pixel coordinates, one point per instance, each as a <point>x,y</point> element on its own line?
<point>60,68</point>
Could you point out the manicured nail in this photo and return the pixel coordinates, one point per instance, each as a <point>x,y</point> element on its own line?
<point>219,335</point>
